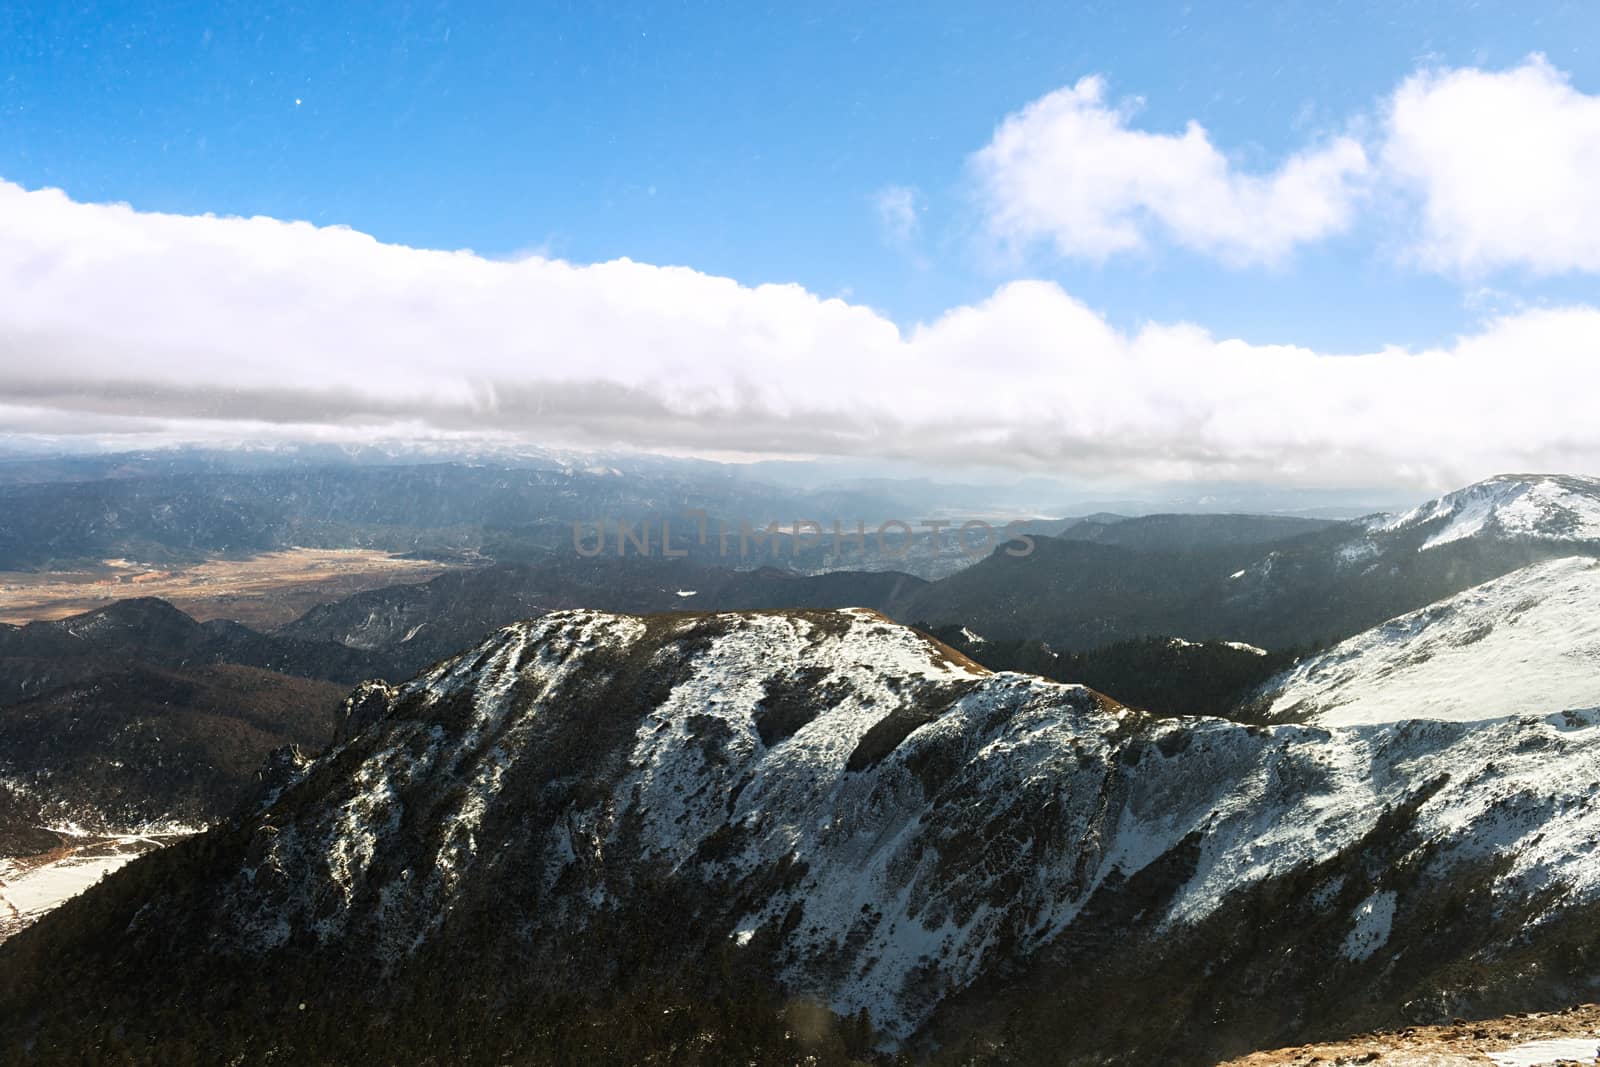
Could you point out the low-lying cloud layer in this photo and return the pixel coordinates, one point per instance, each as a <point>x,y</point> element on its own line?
<point>123,320</point>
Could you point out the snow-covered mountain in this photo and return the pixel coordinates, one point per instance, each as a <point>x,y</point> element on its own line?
<point>1526,643</point>
<point>1509,507</point>
<point>852,812</point>
<point>1502,518</point>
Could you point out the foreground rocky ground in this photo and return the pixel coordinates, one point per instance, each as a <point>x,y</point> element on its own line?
<point>1527,1040</point>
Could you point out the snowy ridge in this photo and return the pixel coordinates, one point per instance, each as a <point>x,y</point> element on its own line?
<point>881,820</point>
<point>1546,507</point>
<point>1527,643</point>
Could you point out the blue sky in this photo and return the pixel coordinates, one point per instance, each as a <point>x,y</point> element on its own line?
<point>743,140</point>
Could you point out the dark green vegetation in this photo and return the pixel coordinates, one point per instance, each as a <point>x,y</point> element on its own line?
<point>22,832</point>
<point>1181,533</point>
<point>1081,594</point>
<point>42,656</point>
<point>1161,675</point>
<point>490,1001</point>
<point>149,744</point>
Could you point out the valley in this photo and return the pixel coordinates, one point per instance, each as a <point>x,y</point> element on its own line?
<point>263,590</point>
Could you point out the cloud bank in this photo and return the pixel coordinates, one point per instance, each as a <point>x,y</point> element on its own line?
<point>120,320</point>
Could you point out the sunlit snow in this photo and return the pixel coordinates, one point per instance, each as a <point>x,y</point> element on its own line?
<point>1526,643</point>
<point>1544,1053</point>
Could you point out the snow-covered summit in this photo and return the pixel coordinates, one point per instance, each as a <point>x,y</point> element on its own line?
<point>1528,642</point>
<point>1511,506</point>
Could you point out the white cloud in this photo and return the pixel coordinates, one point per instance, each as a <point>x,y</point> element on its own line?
<point>119,319</point>
<point>899,212</point>
<point>1505,166</point>
<point>1070,169</point>
<point>1490,169</point>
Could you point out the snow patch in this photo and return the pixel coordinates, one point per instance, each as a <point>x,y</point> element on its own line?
<point>1373,919</point>
<point>31,887</point>
<point>1544,1053</point>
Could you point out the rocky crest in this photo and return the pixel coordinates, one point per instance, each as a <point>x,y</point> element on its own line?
<point>986,863</point>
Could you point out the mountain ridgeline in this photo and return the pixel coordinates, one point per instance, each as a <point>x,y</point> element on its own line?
<point>1281,584</point>
<point>1320,586</point>
<point>721,817</point>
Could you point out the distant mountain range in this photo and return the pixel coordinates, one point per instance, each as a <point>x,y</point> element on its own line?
<point>71,511</point>
<point>180,506</point>
<point>415,625</point>
<point>1275,582</point>
<point>1323,585</point>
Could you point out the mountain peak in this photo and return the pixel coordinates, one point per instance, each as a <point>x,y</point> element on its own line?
<point>1554,507</point>
<point>146,616</point>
